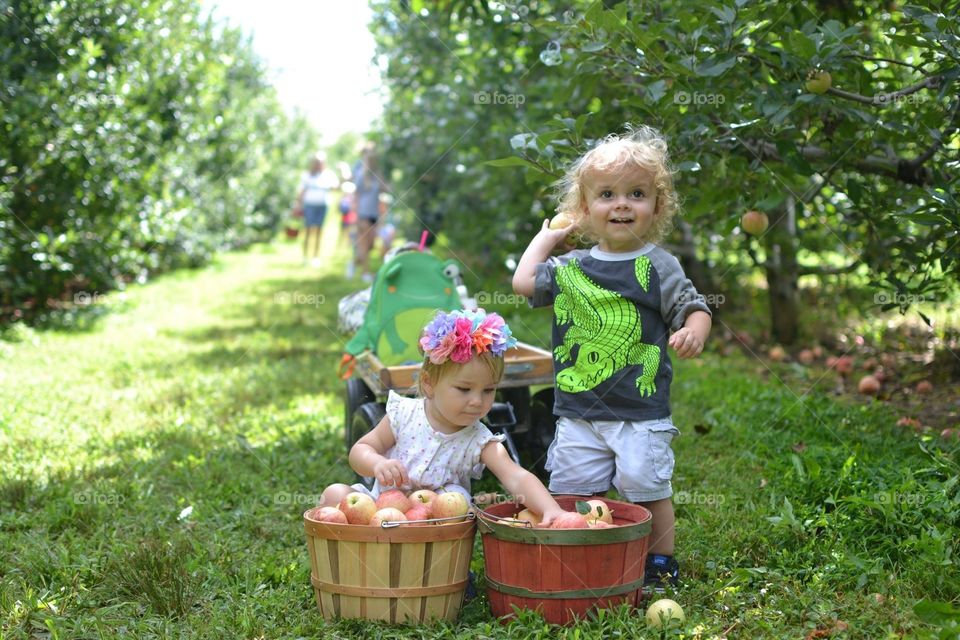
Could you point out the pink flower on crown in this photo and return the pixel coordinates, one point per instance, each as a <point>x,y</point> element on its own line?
<point>463,341</point>
<point>440,353</point>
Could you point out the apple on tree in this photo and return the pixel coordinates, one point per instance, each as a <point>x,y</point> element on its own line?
<point>818,82</point>
<point>754,222</point>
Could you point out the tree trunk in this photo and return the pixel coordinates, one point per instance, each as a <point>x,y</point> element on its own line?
<point>783,274</point>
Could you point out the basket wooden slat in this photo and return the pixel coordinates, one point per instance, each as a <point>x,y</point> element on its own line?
<point>402,574</point>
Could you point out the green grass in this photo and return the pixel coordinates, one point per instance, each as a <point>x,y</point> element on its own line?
<point>158,449</point>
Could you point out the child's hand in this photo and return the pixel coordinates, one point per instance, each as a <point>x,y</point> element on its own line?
<point>686,343</point>
<point>391,473</point>
<point>548,517</point>
<point>558,237</point>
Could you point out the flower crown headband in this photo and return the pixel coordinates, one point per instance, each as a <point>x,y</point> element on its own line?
<point>459,335</point>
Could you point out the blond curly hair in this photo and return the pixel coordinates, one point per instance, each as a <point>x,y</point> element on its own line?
<point>643,147</point>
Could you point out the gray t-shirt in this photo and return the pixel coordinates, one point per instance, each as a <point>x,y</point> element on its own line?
<point>613,314</point>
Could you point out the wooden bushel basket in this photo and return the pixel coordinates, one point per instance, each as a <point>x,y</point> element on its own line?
<point>564,573</point>
<point>402,573</point>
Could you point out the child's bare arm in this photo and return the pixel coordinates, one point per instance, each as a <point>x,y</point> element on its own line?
<point>367,456</point>
<point>689,340</point>
<point>519,482</point>
<point>537,251</point>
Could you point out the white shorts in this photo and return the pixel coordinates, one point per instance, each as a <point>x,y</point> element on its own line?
<point>587,457</point>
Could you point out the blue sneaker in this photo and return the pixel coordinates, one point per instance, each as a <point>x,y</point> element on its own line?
<point>659,573</point>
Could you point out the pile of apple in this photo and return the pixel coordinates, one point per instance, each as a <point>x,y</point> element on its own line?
<point>393,506</point>
<point>590,514</point>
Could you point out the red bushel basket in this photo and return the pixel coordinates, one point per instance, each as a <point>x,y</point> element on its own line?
<point>564,573</point>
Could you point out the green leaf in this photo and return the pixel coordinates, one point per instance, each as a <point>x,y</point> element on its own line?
<point>936,612</point>
<point>509,161</point>
<point>593,47</point>
<point>582,507</point>
<point>713,67</point>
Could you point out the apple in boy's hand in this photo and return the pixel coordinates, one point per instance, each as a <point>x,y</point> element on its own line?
<point>422,496</point>
<point>664,613</point>
<point>389,514</point>
<point>394,498</point>
<point>561,221</point>
<point>358,507</point>
<point>450,505</point>
<point>327,514</point>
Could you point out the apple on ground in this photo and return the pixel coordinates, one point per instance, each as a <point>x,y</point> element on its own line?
<point>423,496</point>
<point>924,387</point>
<point>754,222</point>
<point>569,520</point>
<point>419,512</point>
<point>358,507</point>
<point>805,356</point>
<point>818,82</point>
<point>450,504</point>
<point>387,514</point>
<point>844,365</point>
<point>327,514</point>
<point>664,613</point>
<point>529,516</point>
<point>869,386</point>
<point>777,353</point>
<point>394,498</point>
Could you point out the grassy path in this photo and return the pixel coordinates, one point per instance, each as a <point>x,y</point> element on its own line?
<point>157,456</point>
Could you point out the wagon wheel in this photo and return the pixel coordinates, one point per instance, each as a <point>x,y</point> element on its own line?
<point>366,417</point>
<point>543,428</point>
<point>358,393</point>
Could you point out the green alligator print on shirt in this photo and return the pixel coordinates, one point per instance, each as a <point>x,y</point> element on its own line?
<point>607,329</point>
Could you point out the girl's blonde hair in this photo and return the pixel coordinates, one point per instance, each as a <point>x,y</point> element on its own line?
<point>643,147</point>
<point>436,372</point>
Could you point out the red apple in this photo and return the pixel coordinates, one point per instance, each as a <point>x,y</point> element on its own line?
<point>387,514</point>
<point>327,514</point>
<point>869,386</point>
<point>569,520</point>
<point>806,356</point>
<point>948,433</point>
<point>924,387</point>
<point>419,512</point>
<point>777,353</point>
<point>422,496</point>
<point>905,421</point>
<point>394,498</point>
<point>450,505</point>
<point>600,511</point>
<point>844,365</point>
<point>529,516</point>
<point>754,222</point>
<point>358,507</point>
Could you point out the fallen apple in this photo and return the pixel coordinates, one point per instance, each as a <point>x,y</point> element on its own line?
<point>924,387</point>
<point>777,353</point>
<point>394,498</point>
<point>664,613</point>
<point>754,222</point>
<point>844,365</point>
<point>388,514</point>
<point>358,507</point>
<point>805,356</point>
<point>818,82</point>
<point>869,386</point>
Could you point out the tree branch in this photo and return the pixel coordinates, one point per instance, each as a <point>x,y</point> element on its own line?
<point>890,60</point>
<point>886,98</point>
